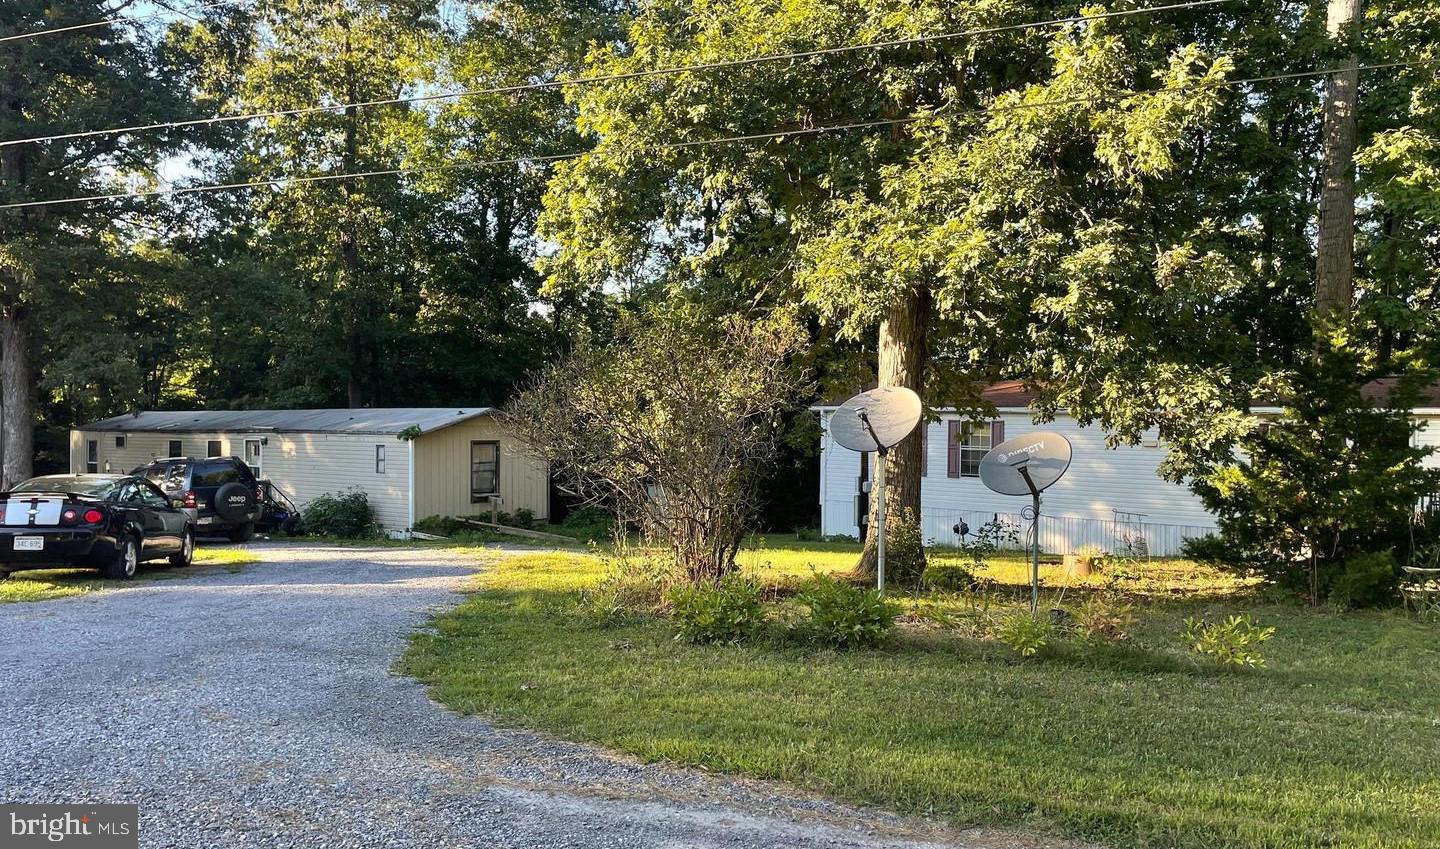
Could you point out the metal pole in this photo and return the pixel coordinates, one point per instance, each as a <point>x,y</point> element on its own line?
<point>1035,555</point>
<point>880,522</point>
<point>1034,542</point>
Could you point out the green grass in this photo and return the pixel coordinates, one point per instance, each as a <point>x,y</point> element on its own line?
<point>45,584</point>
<point>1336,744</point>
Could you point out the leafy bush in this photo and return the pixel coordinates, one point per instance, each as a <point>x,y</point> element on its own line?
<point>588,524</point>
<point>1366,580</point>
<point>726,610</point>
<point>1209,548</point>
<point>1024,633</point>
<point>1107,619</point>
<point>904,549</point>
<point>949,575</point>
<point>340,514</point>
<point>845,616</point>
<point>1234,642</point>
<point>523,518</point>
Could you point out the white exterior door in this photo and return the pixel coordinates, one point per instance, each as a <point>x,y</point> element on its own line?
<point>253,455</point>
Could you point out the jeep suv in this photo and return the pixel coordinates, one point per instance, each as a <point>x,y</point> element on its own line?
<point>221,491</point>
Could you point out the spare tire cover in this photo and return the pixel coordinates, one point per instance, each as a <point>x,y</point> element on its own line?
<point>234,502</point>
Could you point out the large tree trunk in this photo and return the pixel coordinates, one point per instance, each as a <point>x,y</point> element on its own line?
<point>18,415</point>
<point>1335,246</point>
<point>903,353</point>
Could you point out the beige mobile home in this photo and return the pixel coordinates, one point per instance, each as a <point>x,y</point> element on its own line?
<point>458,463</point>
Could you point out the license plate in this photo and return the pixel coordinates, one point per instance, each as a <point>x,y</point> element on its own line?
<point>29,543</point>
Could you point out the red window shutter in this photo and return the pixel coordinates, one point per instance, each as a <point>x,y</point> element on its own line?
<point>997,432</point>
<point>952,449</point>
<point>924,449</point>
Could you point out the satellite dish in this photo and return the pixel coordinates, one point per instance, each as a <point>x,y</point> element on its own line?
<point>884,416</point>
<point>1043,455</point>
<point>876,421</point>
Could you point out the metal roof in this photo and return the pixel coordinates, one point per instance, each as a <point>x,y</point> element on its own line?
<point>393,420</point>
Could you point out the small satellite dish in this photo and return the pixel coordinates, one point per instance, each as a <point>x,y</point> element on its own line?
<point>1043,455</point>
<point>884,416</point>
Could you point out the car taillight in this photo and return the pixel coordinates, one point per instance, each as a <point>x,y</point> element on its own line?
<point>260,495</point>
<point>188,499</point>
<point>69,516</point>
<point>93,516</point>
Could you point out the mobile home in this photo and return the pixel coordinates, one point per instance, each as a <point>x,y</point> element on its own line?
<point>411,462</point>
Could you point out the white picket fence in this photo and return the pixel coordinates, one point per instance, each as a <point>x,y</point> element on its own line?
<point>1067,534</point>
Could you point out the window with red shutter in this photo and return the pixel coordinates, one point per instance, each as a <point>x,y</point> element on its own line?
<point>974,441</point>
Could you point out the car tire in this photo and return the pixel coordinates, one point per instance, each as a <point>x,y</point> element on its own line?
<point>126,561</point>
<point>186,555</point>
<point>242,533</point>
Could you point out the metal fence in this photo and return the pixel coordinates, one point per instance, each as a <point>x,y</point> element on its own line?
<point>1128,532</point>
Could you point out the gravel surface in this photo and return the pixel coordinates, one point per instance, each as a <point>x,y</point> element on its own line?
<point>258,708</point>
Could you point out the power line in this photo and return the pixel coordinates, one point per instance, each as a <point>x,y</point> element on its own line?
<point>610,78</point>
<point>775,134</point>
<point>119,19</point>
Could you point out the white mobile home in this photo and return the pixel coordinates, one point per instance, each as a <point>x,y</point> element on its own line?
<point>456,464</point>
<point>1110,497</point>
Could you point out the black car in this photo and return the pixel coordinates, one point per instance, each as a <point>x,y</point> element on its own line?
<point>221,492</point>
<point>109,522</point>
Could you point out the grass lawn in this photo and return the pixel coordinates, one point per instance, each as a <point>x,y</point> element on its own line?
<point>43,584</point>
<point>1336,744</point>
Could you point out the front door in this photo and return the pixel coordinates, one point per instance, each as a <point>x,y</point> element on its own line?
<point>253,450</point>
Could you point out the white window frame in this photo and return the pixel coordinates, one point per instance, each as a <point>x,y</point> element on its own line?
<point>975,439</point>
<point>379,459</point>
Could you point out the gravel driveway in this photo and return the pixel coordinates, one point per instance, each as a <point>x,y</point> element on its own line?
<point>258,709</point>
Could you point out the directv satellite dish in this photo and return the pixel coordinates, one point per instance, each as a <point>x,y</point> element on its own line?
<point>877,421</point>
<point>1027,465</point>
<point>1043,456</point>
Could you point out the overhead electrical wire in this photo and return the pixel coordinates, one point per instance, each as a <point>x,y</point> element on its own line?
<point>775,134</point>
<point>117,20</point>
<point>612,78</point>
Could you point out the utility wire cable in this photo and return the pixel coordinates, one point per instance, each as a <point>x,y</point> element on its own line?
<point>117,20</point>
<point>766,136</point>
<point>620,77</point>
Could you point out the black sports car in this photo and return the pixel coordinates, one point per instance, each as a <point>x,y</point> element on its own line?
<point>109,522</point>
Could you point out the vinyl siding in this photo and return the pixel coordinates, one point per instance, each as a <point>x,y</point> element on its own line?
<point>1099,480</point>
<point>302,465</point>
<point>1429,437</point>
<point>442,472</point>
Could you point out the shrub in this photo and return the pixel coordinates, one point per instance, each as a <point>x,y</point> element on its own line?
<point>1105,619</point>
<point>588,524</point>
<point>1234,642</point>
<point>633,586</point>
<point>1024,633</point>
<point>1209,548</point>
<point>845,616</point>
<point>726,610</point>
<point>949,575</point>
<point>340,514</point>
<point>523,518</point>
<point>1366,580</point>
<point>904,549</point>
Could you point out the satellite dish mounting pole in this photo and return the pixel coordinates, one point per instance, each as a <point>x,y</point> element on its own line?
<point>1034,542</point>
<point>881,451</point>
